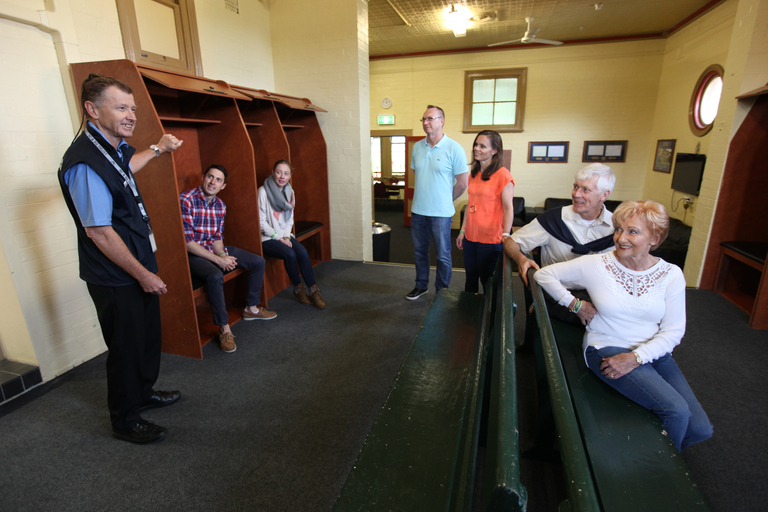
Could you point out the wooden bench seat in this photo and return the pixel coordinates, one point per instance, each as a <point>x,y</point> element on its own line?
<point>414,453</point>
<point>306,228</point>
<point>615,454</point>
<point>421,452</point>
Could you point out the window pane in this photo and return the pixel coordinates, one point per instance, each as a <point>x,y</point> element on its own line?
<point>482,90</point>
<point>398,139</point>
<point>398,156</point>
<point>710,100</point>
<point>506,89</point>
<point>482,113</point>
<point>505,113</point>
<point>157,28</point>
<point>376,157</point>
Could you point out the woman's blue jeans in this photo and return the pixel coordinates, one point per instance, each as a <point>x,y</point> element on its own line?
<point>660,387</point>
<point>295,259</point>
<point>480,263</point>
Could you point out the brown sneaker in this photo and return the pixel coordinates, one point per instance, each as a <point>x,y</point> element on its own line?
<point>263,314</point>
<point>317,299</point>
<point>301,294</point>
<point>227,342</point>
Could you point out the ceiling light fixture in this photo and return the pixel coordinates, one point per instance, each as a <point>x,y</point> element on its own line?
<point>456,19</point>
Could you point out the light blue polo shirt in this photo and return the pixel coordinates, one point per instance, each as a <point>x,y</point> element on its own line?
<point>435,169</point>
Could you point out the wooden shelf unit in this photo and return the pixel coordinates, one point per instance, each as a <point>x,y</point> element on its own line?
<point>741,275</point>
<point>206,115</point>
<point>301,143</point>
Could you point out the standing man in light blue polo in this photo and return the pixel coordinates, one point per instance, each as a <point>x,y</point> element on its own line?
<point>441,175</point>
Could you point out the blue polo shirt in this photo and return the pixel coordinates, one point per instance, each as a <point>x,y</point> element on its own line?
<point>435,169</point>
<point>90,194</point>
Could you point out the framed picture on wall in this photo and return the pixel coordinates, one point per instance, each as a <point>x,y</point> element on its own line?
<point>550,152</point>
<point>604,151</point>
<point>665,150</point>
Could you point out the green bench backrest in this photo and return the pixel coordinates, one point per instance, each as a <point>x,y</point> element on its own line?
<point>578,477</point>
<point>503,490</point>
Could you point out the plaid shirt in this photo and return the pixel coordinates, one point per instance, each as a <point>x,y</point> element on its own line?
<point>203,222</point>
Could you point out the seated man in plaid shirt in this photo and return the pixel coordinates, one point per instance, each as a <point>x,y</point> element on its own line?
<point>203,215</point>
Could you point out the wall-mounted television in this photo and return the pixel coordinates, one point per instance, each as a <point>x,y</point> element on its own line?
<point>689,169</point>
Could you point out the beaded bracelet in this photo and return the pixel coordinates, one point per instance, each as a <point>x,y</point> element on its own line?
<point>576,306</point>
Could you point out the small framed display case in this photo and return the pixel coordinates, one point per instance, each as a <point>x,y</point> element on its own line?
<point>604,151</point>
<point>547,152</point>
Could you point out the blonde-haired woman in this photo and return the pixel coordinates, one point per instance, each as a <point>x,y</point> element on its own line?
<point>635,319</point>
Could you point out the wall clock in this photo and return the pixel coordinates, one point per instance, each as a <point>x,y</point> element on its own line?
<point>386,103</point>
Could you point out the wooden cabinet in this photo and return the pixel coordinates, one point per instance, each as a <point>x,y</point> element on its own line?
<point>300,141</point>
<point>219,125</point>
<point>737,269</point>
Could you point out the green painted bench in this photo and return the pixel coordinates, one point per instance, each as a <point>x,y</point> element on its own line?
<point>421,452</point>
<point>615,454</point>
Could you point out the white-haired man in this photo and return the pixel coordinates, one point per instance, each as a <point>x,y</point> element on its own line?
<point>568,232</point>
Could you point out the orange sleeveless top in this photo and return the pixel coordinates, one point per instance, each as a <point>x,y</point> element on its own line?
<point>484,209</point>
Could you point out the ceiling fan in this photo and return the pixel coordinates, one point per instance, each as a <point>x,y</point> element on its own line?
<point>529,37</point>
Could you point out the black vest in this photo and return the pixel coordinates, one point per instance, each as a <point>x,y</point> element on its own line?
<point>127,221</point>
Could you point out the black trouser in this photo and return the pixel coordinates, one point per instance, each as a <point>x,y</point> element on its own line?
<point>130,323</point>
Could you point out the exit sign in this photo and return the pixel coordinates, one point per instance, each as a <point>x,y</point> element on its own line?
<point>386,119</point>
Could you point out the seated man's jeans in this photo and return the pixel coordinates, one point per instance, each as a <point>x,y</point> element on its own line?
<point>660,387</point>
<point>295,259</point>
<point>214,280</point>
<point>424,228</point>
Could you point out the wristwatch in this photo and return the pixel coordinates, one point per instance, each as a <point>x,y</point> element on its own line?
<point>156,149</point>
<point>637,358</point>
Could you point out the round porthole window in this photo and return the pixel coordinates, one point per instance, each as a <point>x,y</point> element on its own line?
<point>706,100</point>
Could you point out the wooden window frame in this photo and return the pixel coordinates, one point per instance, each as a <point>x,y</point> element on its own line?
<point>522,81</point>
<point>698,127</point>
<point>186,26</point>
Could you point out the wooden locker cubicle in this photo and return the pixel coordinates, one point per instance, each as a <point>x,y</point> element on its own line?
<point>286,128</point>
<point>205,114</point>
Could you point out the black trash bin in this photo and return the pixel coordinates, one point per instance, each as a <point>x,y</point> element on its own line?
<point>381,236</point>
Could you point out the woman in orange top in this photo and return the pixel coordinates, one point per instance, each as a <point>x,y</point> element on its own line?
<point>488,218</point>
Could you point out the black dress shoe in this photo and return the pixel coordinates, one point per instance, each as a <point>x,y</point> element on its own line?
<point>142,432</point>
<point>159,399</point>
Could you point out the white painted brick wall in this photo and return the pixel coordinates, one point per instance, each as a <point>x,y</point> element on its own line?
<point>37,234</point>
<point>323,55</point>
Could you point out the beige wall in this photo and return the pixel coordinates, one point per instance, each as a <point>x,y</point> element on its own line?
<point>687,54</point>
<point>236,47</point>
<point>608,91</point>
<point>59,328</point>
<point>323,55</point>
<point>746,68</point>
<point>575,93</point>
<point>635,91</point>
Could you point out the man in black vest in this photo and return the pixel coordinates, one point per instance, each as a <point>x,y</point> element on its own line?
<point>116,251</point>
<point>568,232</point>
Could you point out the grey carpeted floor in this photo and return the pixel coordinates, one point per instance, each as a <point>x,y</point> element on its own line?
<point>277,425</point>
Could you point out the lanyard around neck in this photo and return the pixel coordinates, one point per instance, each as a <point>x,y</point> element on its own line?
<point>128,178</point>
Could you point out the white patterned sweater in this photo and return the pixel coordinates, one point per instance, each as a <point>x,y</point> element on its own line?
<point>641,311</point>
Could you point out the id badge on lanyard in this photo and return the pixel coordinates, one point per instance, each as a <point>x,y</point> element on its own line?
<point>128,181</point>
